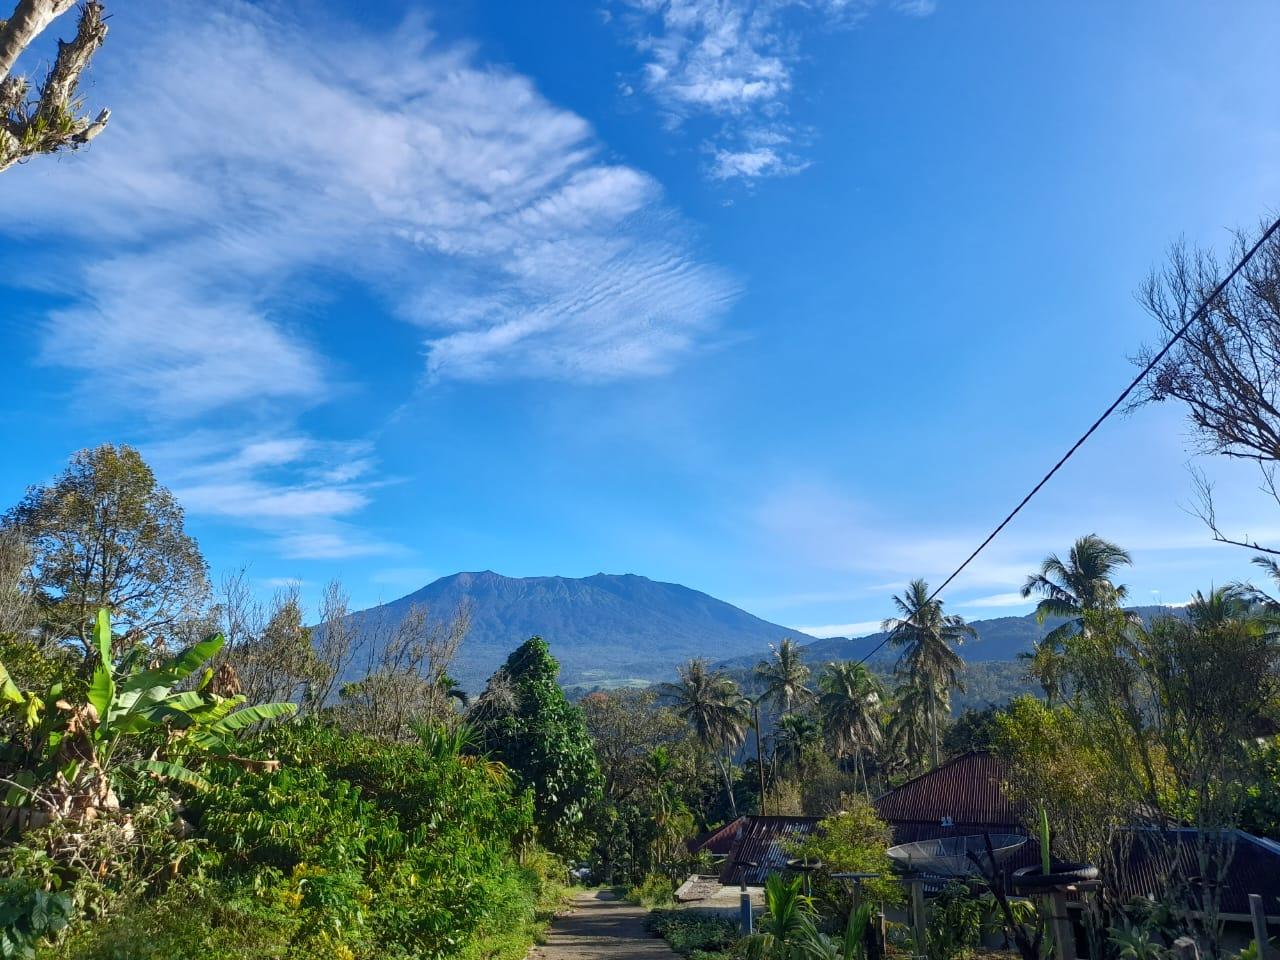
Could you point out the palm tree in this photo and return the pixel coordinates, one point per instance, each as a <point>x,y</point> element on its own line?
<point>711,703</point>
<point>850,700</point>
<point>927,637</point>
<point>784,676</point>
<point>669,809</point>
<point>1080,585</point>
<point>906,731</point>
<point>793,734</point>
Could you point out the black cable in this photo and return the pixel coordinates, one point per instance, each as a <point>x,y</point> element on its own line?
<point>1133,385</point>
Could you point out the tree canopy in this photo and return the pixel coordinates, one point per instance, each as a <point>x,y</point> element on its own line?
<point>543,739</point>
<point>105,533</point>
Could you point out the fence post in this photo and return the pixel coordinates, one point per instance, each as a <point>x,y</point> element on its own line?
<point>1259,915</point>
<point>919,919</point>
<point>1064,939</point>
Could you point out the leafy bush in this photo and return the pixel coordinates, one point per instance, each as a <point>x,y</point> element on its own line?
<point>692,932</point>
<point>955,923</point>
<point>28,913</point>
<point>854,841</point>
<point>654,890</point>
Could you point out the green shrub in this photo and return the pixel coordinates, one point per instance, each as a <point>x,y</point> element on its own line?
<point>653,891</point>
<point>27,914</point>
<point>692,932</point>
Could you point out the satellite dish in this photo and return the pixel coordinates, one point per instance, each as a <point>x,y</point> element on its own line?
<point>949,856</point>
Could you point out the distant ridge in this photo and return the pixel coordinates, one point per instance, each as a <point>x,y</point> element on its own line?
<point>999,639</point>
<point>606,629</point>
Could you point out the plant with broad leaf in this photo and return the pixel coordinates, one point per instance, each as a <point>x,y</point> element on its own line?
<point>135,719</point>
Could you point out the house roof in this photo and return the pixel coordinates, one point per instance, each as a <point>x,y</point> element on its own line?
<point>966,790</point>
<point>718,842</point>
<point>1253,866</point>
<point>763,841</point>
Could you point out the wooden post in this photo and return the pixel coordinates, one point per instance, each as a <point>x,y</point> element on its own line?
<point>1184,948</point>
<point>1064,943</point>
<point>1259,915</point>
<point>919,921</point>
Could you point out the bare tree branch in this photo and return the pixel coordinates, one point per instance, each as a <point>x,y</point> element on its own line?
<point>51,122</point>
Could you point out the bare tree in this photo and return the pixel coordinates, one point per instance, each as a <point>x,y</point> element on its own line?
<point>17,603</point>
<point>407,674</point>
<point>273,656</point>
<point>48,119</point>
<point>334,641</point>
<point>1226,367</point>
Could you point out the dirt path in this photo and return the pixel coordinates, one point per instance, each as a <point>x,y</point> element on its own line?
<point>601,928</point>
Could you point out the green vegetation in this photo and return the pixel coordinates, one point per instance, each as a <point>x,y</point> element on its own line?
<point>693,932</point>
<point>155,807</point>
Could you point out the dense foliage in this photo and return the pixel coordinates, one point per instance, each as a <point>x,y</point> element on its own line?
<point>154,807</point>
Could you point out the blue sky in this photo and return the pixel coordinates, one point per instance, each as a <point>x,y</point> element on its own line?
<point>788,302</point>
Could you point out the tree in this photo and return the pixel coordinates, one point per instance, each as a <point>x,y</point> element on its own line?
<point>407,680</point>
<point>1226,368</point>
<point>1070,589</point>
<point>50,121</point>
<point>626,726</point>
<point>907,733</point>
<point>785,676</point>
<point>543,739</point>
<point>279,662</point>
<point>855,840</point>
<point>974,729</point>
<point>794,736</point>
<point>850,699</point>
<point>105,534</point>
<point>17,605</point>
<point>715,709</point>
<point>927,637</point>
<point>1176,707</point>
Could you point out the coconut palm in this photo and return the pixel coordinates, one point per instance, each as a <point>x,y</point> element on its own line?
<point>929,661</point>
<point>1072,588</point>
<point>793,735</point>
<point>906,731</point>
<point>785,676</point>
<point>850,699</point>
<point>711,703</point>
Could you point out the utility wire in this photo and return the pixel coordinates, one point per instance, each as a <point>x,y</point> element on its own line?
<point>1124,395</point>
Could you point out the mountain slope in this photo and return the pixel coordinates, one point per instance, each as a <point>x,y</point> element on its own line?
<point>999,639</point>
<point>603,629</point>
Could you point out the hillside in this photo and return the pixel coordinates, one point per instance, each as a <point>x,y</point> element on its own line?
<point>999,639</point>
<point>604,629</point>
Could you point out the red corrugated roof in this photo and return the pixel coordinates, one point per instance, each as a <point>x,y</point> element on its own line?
<point>1253,866</point>
<point>764,842</point>
<point>718,842</point>
<point>968,789</point>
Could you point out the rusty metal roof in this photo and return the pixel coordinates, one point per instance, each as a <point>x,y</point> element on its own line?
<point>966,790</point>
<point>764,842</point>
<point>1252,866</point>
<point>718,842</point>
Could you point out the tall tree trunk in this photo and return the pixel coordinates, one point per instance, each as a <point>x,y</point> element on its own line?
<point>933,717</point>
<point>726,768</point>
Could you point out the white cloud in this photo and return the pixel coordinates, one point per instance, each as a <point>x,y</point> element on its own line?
<point>733,62</point>
<point>915,8</point>
<point>860,629</point>
<point>1012,599</point>
<point>252,157</point>
<point>291,488</point>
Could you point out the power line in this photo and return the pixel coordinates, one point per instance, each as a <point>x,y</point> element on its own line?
<point>1115,404</point>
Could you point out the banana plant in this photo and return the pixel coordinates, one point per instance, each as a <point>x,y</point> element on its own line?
<point>134,719</point>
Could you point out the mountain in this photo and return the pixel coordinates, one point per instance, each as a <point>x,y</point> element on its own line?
<point>999,639</point>
<point>605,629</point>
